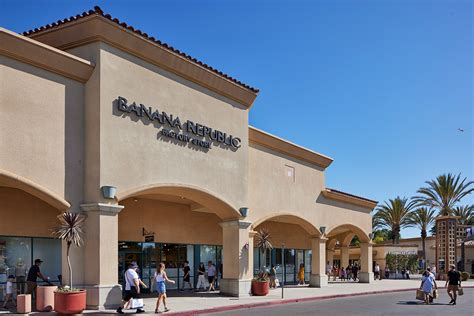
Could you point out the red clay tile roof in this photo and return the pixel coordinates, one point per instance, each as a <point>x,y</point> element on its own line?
<point>352,195</point>
<point>98,11</point>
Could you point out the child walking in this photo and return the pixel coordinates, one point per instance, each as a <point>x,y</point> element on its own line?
<point>9,291</point>
<point>160,279</point>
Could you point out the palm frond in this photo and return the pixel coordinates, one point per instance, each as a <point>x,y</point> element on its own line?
<point>263,237</point>
<point>70,228</point>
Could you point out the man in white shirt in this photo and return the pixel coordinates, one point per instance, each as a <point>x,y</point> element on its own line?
<point>328,269</point>
<point>211,275</point>
<point>132,287</point>
<point>377,271</point>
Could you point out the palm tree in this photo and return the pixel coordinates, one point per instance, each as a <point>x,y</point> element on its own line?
<point>70,230</point>
<point>444,192</point>
<point>422,218</point>
<point>466,214</point>
<point>394,215</point>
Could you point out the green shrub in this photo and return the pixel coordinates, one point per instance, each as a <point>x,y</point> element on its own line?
<point>464,276</point>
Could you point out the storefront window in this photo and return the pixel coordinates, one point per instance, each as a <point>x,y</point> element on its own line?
<point>307,264</point>
<point>17,255</point>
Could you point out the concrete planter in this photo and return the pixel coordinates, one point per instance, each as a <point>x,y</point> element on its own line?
<point>70,302</point>
<point>109,191</point>
<point>45,298</point>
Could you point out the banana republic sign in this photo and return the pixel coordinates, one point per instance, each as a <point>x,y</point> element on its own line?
<point>175,128</point>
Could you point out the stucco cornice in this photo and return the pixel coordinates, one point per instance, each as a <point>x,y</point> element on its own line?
<point>280,145</point>
<point>348,198</point>
<point>98,28</point>
<point>43,56</point>
<point>107,209</point>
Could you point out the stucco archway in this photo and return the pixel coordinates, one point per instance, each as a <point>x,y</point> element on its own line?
<point>289,218</point>
<point>343,231</point>
<point>203,198</point>
<point>11,180</point>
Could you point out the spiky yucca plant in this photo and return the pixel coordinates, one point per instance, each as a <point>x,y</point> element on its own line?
<point>263,237</point>
<point>70,230</point>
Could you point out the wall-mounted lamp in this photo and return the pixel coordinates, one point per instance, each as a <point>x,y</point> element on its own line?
<point>244,211</point>
<point>371,236</point>
<point>108,191</point>
<point>135,200</point>
<point>322,229</point>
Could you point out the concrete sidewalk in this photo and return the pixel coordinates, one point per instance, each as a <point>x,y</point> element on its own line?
<point>191,303</point>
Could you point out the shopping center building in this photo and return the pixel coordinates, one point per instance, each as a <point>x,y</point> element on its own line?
<point>89,103</point>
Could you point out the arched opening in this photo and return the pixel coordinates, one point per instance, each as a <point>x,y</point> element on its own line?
<point>343,251</point>
<point>28,212</point>
<point>291,239</point>
<point>174,224</point>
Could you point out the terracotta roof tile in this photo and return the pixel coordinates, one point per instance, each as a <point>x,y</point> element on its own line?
<point>98,11</point>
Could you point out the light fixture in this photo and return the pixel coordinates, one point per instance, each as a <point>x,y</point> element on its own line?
<point>135,200</point>
<point>371,236</point>
<point>108,191</point>
<point>244,211</point>
<point>322,229</point>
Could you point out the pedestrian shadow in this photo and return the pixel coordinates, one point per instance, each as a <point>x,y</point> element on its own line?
<point>416,303</point>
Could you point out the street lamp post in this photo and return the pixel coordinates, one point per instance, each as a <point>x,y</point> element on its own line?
<point>283,269</point>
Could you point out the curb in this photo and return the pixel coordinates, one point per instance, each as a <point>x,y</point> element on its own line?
<point>288,301</point>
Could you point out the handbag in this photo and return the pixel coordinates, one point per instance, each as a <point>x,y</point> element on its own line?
<point>420,295</point>
<point>460,291</point>
<point>136,303</point>
<point>435,293</point>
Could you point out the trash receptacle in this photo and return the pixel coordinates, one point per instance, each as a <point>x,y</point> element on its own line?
<point>45,298</point>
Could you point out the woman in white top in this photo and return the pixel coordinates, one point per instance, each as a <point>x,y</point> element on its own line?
<point>160,278</point>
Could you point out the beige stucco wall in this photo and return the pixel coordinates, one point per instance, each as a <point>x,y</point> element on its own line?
<point>171,222</point>
<point>41,128</point>
<point>273,192</point>
<point>131,153</point>
<point>25,215</point>
<point>292,235</point>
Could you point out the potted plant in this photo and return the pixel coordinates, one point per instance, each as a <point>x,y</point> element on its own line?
<point>67,299</point>
<point>261,282</point>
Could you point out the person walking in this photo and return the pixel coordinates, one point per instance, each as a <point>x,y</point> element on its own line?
<point>160,278</point>
<point>9,291</point>
<point>454,280</point>
<point>20,275</point>
<point>328,269</point>
<point>132,287</point>
<point>211,275</point>
<point>201,284</point>
<point>342,274</point>
<point>349,272</point>
<point>187,275</point>
<point>355,270</point>
<point>387,272</point>
<point>272,276</point>
<point>427,284</point>
<point>33,274</point>
<point>377,271</point>
<point>301,275</point>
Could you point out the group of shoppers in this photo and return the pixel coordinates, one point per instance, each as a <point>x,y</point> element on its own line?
<point>133,283</point>
<point>430,288</point>
<point>351,272</point>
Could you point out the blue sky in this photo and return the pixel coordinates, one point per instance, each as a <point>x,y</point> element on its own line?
<point>380,86</point>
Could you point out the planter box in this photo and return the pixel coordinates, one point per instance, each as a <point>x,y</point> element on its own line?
<point>70,302</point>
<point>23,303</point>
<point>260,288</point>
<point>45,298</point>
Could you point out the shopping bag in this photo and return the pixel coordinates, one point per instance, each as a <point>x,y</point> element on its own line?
<point>420,295</point>
<point>136,303</point>
<point>460,291</point>
<point>435,293</point>
<point>277,282</point>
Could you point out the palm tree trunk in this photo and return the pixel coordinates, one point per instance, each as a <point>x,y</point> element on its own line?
<point>423,238</point>
<point>69,264</point>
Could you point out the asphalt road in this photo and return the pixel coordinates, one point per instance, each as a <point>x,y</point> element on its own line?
<point>399,303</point>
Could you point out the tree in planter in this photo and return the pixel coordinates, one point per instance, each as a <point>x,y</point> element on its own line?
<point>70,230</point>
<point>263,237</point>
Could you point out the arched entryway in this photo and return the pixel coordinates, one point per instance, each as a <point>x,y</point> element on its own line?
<point>28,212</point>
<point>340,253</point>
<point>175,223</point>
<point>292,239</point>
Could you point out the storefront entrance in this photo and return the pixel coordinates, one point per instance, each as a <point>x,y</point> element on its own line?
<point>148,255</point>
<point>292,260</point>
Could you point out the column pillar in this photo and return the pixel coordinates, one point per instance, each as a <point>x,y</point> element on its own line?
<point>101,255</point>
<point>330,256</point>
<point>318,265</point>
<point>366,275</point>
<point>344,256</point>
<point>237,258</point>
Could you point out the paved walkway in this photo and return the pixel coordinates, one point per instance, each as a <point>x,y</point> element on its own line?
<point>190,302</point>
